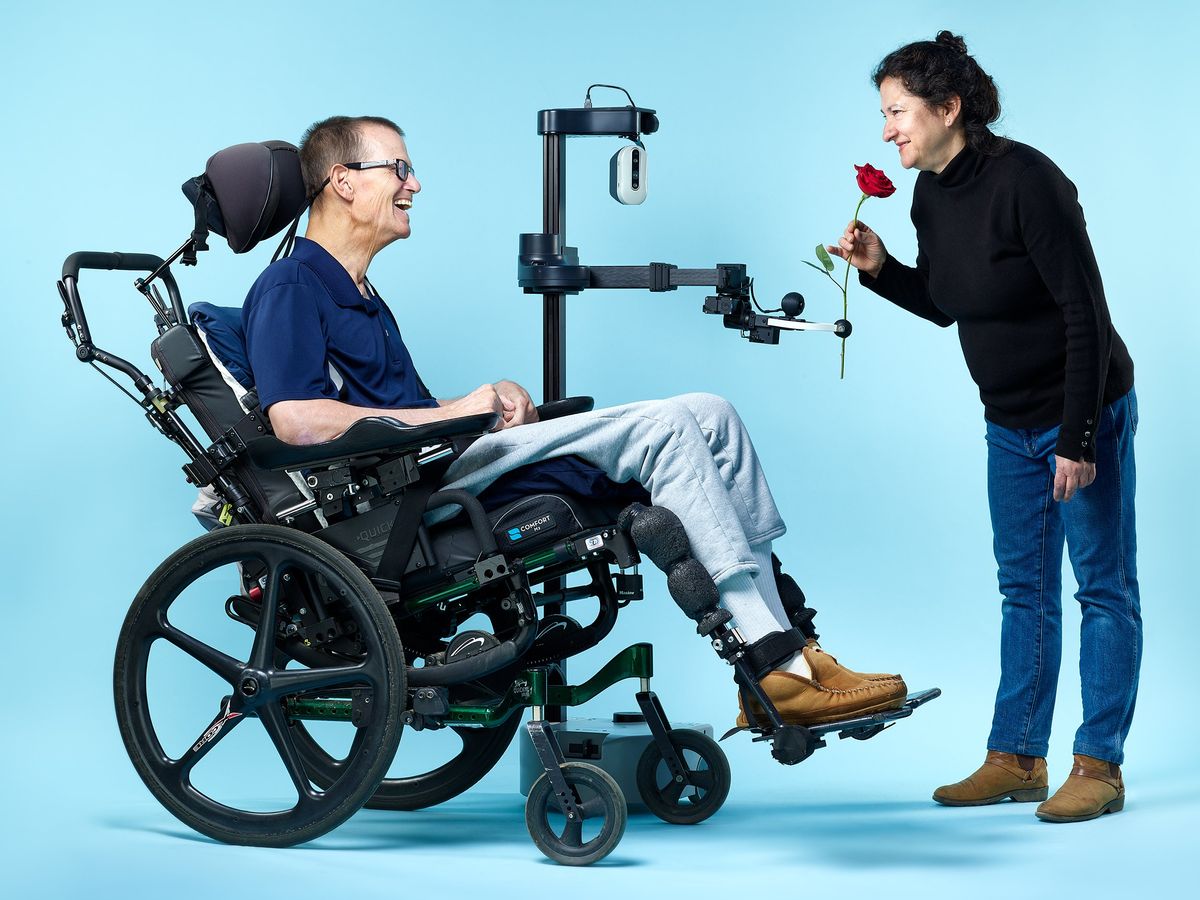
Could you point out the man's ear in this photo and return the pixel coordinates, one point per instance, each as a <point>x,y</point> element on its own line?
<point>340,182</point>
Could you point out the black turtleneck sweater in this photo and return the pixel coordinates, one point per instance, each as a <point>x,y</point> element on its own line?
<point>1003,251</point>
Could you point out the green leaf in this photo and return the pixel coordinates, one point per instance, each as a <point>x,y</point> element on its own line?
<point>823,256</point>
<point>814,265</point>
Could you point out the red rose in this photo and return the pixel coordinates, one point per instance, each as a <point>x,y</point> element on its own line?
<point>873,182</point>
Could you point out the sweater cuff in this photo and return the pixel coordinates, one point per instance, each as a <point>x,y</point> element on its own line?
<point>879,283</point>
<point>1078,442</point>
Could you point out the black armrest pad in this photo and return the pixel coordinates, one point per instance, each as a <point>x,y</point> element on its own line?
<point>366,437</point>
<point>568,406</point>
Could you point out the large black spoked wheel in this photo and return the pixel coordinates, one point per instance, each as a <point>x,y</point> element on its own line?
<point>472,753</point>
<point>584,840</point>
<point>671,797</point>
<point>243,784</point>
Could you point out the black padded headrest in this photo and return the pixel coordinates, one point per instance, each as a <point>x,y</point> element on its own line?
<point>248,192</point>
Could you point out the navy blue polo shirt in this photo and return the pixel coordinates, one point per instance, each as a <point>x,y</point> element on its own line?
<point>305,313</point>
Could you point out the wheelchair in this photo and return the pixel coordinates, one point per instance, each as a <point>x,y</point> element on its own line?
<point>342,613</point>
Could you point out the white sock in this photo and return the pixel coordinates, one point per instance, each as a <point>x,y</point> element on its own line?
<point>769,590</point>
<point>743,595</point>
<point>767,587</point>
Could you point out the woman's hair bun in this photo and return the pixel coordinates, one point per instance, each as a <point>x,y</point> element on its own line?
<point>953,41</point>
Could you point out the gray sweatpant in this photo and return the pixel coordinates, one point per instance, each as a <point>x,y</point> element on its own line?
<point>692,453</point>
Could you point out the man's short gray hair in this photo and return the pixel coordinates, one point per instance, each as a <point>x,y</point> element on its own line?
<point>335,140</point>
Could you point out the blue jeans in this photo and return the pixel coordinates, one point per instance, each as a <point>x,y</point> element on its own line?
<point>1029,529</point>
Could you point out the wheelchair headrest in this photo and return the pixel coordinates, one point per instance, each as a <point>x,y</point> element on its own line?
<point>247,193</point>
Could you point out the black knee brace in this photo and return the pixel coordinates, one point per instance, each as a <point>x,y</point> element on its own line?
<point>658,533</point>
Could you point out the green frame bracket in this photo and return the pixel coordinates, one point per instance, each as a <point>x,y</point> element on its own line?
<point>531,688</point>
<point>635,661</point>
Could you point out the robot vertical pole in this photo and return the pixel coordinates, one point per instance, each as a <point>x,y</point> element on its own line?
<point>554,315</point>
<point>554,306</point>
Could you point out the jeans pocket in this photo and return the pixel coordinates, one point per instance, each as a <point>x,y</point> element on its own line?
<point>1133,410</point>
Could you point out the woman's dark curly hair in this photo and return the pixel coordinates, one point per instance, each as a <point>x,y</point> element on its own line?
<point>939,69</point>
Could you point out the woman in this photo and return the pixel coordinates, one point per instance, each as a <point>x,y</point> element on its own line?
<point>1003,251</point>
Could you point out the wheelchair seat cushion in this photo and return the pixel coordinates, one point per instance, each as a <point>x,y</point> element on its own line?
<point>559,475</point>
<point>520,528</point>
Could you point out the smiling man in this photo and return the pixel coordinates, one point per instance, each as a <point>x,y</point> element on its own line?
<point>303,317</point>
<point>325,351</point>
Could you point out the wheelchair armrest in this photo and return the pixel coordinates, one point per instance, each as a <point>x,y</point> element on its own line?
<point>366,437</point>
<point>568,406</point>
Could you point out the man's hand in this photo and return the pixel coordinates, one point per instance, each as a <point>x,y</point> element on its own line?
<point>1071,476</point>
<point>518,407</point>
<point>481,401</point>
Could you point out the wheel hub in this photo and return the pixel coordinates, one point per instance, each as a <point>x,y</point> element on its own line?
<point>249,687</point>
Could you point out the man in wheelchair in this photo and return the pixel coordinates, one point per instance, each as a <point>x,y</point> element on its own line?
<point>325,352</point>
<point>354,585</point>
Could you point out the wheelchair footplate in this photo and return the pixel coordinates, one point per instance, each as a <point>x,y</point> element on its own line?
<point>795,743</point>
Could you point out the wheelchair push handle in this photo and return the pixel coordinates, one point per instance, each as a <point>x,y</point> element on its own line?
<point>92,259</point>
<point>68,288</point>
<point>127,262</point>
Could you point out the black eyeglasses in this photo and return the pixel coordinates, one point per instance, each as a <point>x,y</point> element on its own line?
<point>402,167</point>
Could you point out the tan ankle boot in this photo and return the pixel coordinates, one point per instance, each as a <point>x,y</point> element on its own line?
<point>1003,776</point>
<point>1093,788</point>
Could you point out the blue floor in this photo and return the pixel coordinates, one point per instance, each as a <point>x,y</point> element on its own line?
<point>817,830</point>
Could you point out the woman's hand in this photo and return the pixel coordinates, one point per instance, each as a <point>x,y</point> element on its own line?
<point>862,248</point>
<point>1071,476</point>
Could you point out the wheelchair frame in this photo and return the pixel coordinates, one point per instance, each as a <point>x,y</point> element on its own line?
<point>355,668</point>
<point>396,463</point>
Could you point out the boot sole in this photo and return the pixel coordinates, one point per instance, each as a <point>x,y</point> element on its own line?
<point>893,703</point>
<point>1030,795</point>
<point>1115,805</point>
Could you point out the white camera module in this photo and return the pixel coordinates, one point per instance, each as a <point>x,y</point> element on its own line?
<point>627,175</point>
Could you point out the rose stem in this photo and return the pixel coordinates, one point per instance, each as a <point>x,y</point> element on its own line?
<point>846,284</point>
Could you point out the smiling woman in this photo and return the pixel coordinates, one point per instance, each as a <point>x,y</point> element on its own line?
<point>1003,251</point>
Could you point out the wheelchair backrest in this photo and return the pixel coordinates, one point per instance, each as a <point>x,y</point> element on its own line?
<point>208,389</point>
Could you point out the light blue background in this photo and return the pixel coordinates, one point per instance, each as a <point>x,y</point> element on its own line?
<point>764,108</point>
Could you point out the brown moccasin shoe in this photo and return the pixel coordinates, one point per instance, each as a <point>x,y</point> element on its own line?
<point>849,673</point>
<point>1003,776</point>
<point>802,701</point>
<point>1093,788</point>
<point>829,673</point>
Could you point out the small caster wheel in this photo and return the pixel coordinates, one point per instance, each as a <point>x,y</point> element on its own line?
<point>583,841</point>
<point>675,801</point>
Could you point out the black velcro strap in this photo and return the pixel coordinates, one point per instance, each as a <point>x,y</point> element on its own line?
<point>403,536</point>
<point>769,652</point>
<point>794,603</point>
<point>200,194</point>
